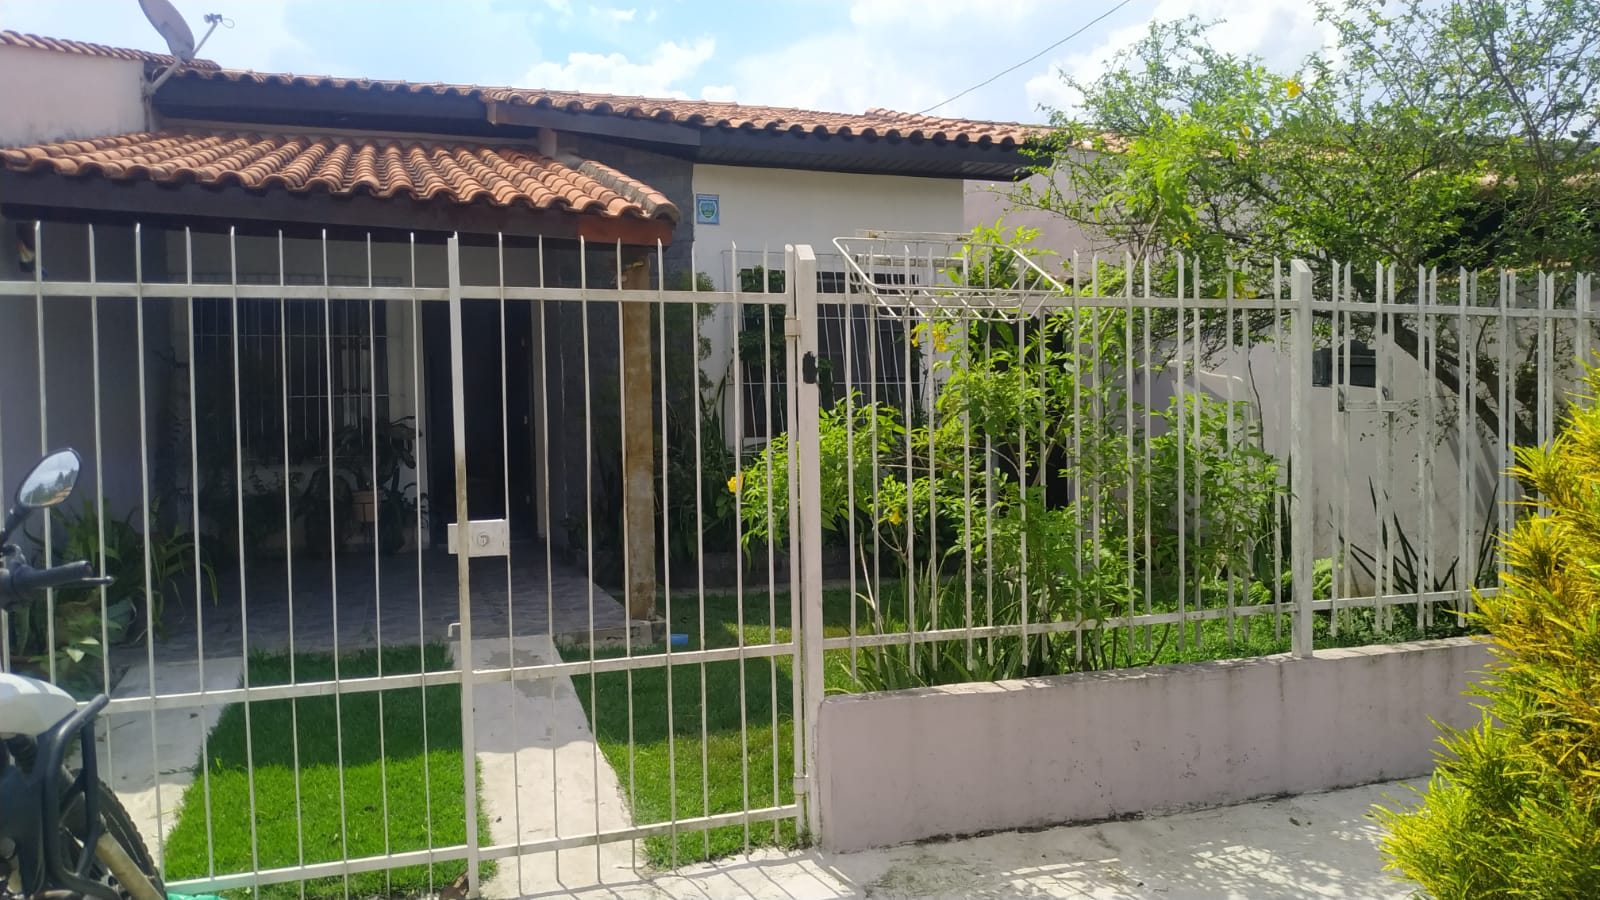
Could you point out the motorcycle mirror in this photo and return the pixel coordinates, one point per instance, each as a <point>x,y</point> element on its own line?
<point>51,481</point>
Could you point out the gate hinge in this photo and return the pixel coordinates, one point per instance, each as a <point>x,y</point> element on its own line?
<point>808,368</point>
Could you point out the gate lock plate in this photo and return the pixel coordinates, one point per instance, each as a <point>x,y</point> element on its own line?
<point>485,537</point>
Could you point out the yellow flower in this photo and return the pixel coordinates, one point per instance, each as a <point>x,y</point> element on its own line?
<point>916,340</point>
<point>1292,88</point>
<point>734,484</point>
<point>894,517</point>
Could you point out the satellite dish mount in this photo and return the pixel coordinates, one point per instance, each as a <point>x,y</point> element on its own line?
<point>180,40</point>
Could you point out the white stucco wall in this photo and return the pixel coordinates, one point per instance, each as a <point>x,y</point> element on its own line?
<point>986,202</point>
<point>768,208</point>
<point>762,210</point>
<point>909,765</point>
<point>65,96</point>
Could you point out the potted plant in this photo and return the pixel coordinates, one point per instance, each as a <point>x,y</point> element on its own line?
<point>368,467</point>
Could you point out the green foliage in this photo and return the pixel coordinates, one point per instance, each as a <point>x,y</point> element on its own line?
<point>365,460</point>
<point>697,507</point>
<point>1015,474</point>
<point>1450,135</point>
<point>83,627</point>
<point>1513,809</point>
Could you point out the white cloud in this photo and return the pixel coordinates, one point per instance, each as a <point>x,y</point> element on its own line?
<point>723,93</point>
<point>912,54</point>
<point>1282,32</point>
<point>561,7</point>
<point>936,14</point>
<point>617,16</point>
<point>844,72</point>
<point>659,75</point>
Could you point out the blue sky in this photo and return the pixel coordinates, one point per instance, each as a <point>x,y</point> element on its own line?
<point>844,55</point>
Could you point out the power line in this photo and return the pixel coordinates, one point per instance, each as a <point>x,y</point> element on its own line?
<point>990,80</point>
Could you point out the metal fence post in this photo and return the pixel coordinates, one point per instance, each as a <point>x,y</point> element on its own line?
<point>469,753</point>
<point>1301,480</point>
<point>805,433</point>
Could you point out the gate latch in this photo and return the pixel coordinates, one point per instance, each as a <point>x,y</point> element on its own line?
<point>485,537</point>
<point>808,368</point>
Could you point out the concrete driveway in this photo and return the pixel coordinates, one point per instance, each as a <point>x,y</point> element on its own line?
<point>1317,845</point>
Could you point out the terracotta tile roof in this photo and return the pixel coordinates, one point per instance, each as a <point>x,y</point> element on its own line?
<point>874,123</point>
<point>379,167</point>
<point>82,48</point>
<point>880,123</point>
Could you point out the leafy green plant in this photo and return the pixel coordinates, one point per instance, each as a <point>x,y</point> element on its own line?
<point>1043,510</point>
<point>1406,564</point>
<point>131,601</point>
<point>367,465</point>
<point>1513,807</point>
<point>695,503</point>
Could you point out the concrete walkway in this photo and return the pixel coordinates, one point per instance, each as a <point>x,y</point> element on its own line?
<point>1320,845</point>
<point>149,775</point>
<point>543,774</point>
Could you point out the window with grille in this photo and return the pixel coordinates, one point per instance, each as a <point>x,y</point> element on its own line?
<point>858,350</point>
<point>322,359</point>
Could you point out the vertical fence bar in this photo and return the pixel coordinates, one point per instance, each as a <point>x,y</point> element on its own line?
<point>1383,330</point>
<point>1147,376</point>
<point>1131,484</point>
<point>666,504</point>
<point>1077,350</point>
<point>1277,418</point>
<point>806,431</point>
<point>44,450</point>
<point>144,496</point>
<point>1426,350</point>
<point>422,657</point>
<point>1507,416</point>
<point>1182,493</point>
<point>1582,304</point>
<point>458,414</point>
<point>1468,568</point>
<point>244,609</point>
<point>1300,294</point>
<point>1340,378</point>
<point>1198,457</point>
<point>333,556</point>
<point>1346,585</point>
<point>99,504</point>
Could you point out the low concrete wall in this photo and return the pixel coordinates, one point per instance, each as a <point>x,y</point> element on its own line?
<point>908,765</point>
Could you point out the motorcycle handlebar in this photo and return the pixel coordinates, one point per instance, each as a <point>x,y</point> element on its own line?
<point>22,579</point>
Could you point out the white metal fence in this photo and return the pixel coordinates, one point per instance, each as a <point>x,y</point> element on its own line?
<point>1157,464</point>
<point>964,464</point>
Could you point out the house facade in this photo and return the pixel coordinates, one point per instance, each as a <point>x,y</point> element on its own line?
<point>240,178</point>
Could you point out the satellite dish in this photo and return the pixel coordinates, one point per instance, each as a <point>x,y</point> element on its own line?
<point>169,22</point>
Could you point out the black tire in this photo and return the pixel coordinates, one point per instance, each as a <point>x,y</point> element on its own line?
<point>119,825</point>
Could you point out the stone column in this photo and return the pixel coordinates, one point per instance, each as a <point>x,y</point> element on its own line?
<point>638,446</point>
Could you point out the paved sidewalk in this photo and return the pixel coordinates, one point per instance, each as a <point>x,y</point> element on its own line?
<point>1318,845</point>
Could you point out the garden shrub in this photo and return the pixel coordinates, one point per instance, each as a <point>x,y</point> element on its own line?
<point>1513,809</point>
<point>1022,495</point>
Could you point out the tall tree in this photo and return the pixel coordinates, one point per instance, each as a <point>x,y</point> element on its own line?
<point>1456,135</point>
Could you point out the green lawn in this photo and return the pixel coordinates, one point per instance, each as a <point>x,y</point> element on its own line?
<point>416,756</point>
<point>712,775</point>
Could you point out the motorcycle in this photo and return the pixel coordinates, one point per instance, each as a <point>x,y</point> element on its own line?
<point>64,835</point>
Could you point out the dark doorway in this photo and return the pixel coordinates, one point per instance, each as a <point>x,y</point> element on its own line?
<point>499,423</point>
